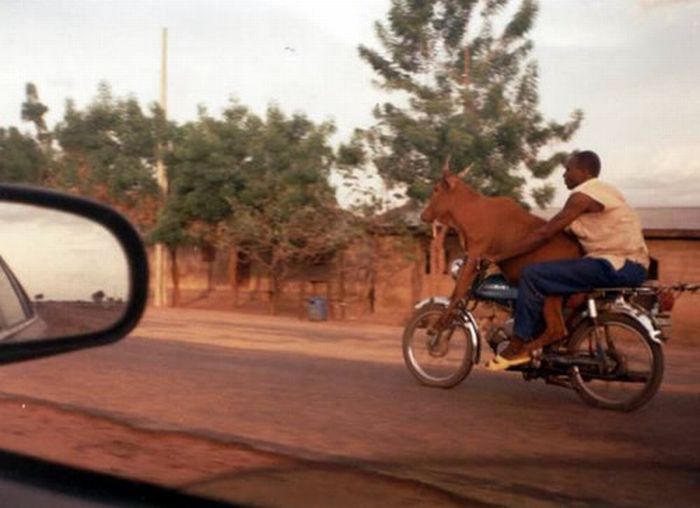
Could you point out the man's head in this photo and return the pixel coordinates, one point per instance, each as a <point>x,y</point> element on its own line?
<point>581,166</point>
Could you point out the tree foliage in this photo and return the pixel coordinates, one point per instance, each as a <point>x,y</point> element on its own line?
<point>33,110</point>
<point>107,152</point>
<point>467,87</point>
<point>21,158</point>
<point>257,185</point>
<point>205,170</point>
<point>284,213</point>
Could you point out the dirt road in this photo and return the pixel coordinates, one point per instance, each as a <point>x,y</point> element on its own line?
<point>282,412</point>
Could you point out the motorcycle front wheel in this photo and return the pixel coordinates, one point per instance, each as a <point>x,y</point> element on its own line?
<point>441,360</point>
<point>624,372</point>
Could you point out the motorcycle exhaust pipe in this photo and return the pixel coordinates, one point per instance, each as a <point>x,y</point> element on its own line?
<point>566,361</point>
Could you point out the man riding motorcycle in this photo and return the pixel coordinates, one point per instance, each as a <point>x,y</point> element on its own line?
<point>609,231</point>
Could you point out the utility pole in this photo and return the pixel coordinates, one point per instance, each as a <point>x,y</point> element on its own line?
<point>466,74</point>
<point>160,297</point>
<point>466,77</point>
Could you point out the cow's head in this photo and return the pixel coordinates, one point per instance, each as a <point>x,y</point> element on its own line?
<point>444,197</point>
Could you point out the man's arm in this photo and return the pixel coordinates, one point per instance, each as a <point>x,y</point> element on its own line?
<point>577,204</point>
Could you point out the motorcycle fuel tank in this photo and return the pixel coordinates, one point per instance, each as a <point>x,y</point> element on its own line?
<point>495,287</point>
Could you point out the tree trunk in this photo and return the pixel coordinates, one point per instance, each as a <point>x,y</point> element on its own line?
<point>258,283</point>
<point>341,283</point>
<point>175,275</point>
<point>233,274</point>
<point>209,256</point>
<point>274,293</point>
<point>372,276</point>
<point>302,299</point>
<point>210,276</point>
<point>278,275</point>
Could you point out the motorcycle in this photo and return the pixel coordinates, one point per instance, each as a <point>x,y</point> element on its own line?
<point>612,357</point>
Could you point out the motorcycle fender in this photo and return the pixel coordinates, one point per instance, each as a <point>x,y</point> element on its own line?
<point>469,322</point>
<point>440,300</point>
<point>642,319</point>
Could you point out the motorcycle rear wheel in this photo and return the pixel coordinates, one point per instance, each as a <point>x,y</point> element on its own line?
<point>440,363</point>
<point>634,363</point>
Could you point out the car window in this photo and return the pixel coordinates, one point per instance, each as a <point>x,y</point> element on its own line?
<point>12,308</point>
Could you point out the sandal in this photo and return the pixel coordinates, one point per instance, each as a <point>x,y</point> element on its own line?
<point>499,362</point>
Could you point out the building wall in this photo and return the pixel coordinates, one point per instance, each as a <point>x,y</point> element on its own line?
<point>679,261</point>
<point>401,268</point>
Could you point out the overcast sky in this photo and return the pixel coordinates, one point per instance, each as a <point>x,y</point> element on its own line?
<point>60,255</point>
<point>633,66</point>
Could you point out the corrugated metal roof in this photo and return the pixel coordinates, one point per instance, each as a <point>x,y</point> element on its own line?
<point>668,218</point>
<point>656,218</point>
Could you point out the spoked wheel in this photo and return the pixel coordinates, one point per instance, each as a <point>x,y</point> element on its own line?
<point>622,370</point>
<point>443,359</point>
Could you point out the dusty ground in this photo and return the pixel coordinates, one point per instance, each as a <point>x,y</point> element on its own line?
<point>99,443</point>
<point>201,466</point>
<point>283,412</point>
<point>73,318</point>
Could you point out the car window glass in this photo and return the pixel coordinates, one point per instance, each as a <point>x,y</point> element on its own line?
<point>10,305</point>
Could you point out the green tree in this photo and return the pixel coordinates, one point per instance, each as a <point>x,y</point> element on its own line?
<point>205,169</point>
<point>108,153</point>
<point>467,88</point>
<point>204,165</point>
<point>98,296</point>
<point>21,158</point>
<point>33,110</point>
<point>285,214</point>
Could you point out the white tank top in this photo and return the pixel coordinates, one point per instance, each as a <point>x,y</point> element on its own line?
<point>615,234</point>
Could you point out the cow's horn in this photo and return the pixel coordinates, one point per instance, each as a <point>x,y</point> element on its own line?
<point>464,172</point>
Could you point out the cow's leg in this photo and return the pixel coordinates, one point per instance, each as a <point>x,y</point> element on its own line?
<point>554,320</point>
<point>464,282</point>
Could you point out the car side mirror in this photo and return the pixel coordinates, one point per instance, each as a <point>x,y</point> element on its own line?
<point>73,274</point>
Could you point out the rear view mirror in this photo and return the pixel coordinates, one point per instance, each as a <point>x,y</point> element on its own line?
<point>60,274</point>
<point>73,274</point>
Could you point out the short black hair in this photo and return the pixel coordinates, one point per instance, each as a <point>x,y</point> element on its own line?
<point>588,160</point>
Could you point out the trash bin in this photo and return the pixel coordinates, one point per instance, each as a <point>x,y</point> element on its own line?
<point>317,309</point>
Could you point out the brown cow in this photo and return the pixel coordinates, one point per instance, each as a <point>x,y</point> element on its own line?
<point>490,225</point>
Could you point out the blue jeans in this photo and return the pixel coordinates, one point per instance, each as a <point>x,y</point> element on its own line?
<point>566,277</point>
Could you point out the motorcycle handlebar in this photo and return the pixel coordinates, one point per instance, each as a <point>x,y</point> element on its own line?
<point>685,287</point>
<point>456,266</point>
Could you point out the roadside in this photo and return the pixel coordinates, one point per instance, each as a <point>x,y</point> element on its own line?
<point>684,318</point>
<point>50,432</point>
<point>347,340</point>
<point>228,471</point>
